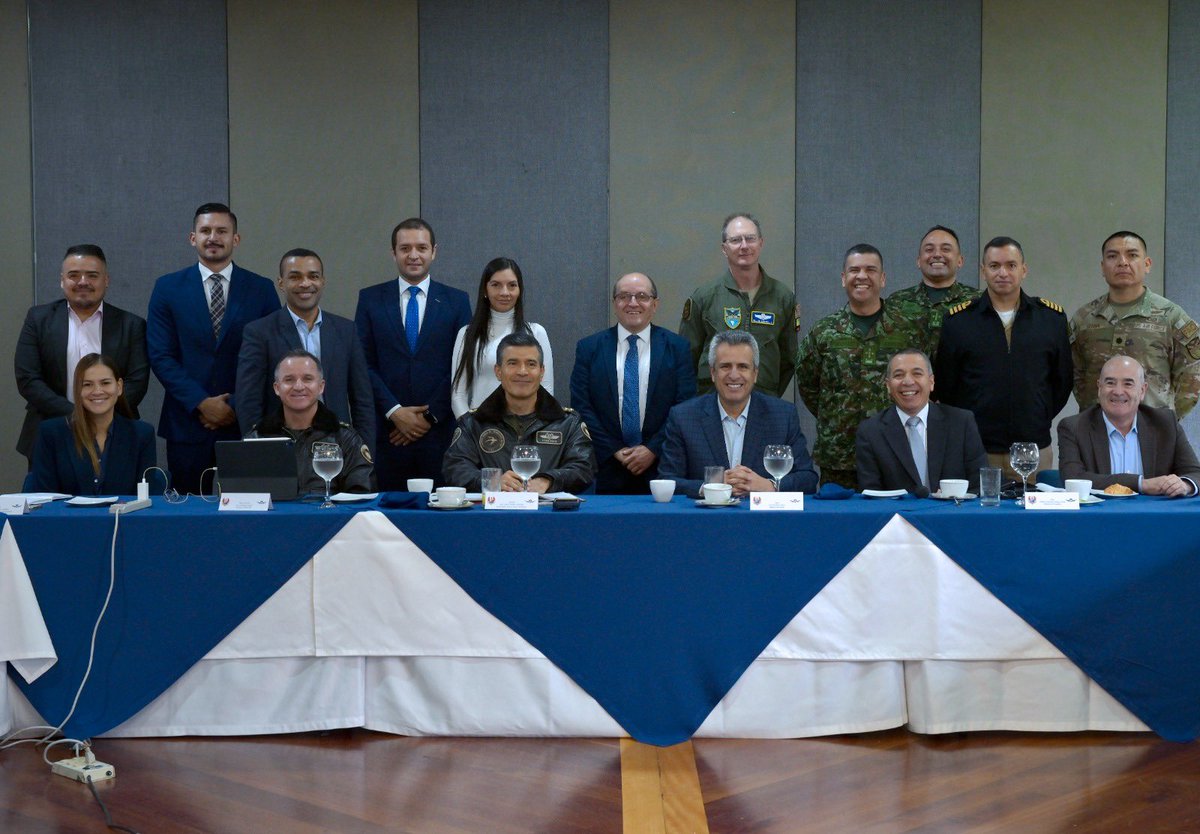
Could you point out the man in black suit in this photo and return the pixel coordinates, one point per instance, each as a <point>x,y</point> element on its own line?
<point>916,443</point>
<point>627,415</point>
<point>302,324</point>
<point>1121,441</point>
<point>56,335</point>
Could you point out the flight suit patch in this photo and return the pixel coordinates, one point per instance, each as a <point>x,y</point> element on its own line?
<point>762,317</point>
<point>491,441</point>
<point>550,438</point>
<point>733,317</point>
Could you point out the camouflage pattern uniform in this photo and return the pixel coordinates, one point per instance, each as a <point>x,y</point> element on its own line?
<point>1154,331</point>
<point>840,374</point>
<point>917,297</point>
<point>773,319</point>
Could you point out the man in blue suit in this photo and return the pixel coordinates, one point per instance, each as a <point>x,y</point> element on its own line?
<point>732,426</point>
<point>408,327</point>
<point>303,325</point>
<point>194,334</point>
<point>626,411</point>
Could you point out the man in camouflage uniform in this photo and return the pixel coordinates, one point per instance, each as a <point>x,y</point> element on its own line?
<point>939,258</point>
<point>842,362</point>
<point>744,298</point>
<point>1131,320</point>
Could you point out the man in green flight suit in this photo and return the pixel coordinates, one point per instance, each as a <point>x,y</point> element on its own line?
<point>939,258</point>
<point>745,298</point>
<point>842,363</point>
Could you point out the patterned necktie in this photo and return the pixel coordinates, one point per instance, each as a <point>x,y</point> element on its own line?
<point>216,304</point>
<point>917,445</point>
<point>412,319</point>
<point>631,423</point>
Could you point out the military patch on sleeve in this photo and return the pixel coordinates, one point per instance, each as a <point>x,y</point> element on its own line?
<point>457,435</point>
<point>687,310</point>
<point>491,441</point>
<point>1189,330</point>
<point>583,428</point>
<point>1053,305</point>
<point>550,438</point>
<point>797,314</point>
<point>366,453</point>
<point>1193,348</point>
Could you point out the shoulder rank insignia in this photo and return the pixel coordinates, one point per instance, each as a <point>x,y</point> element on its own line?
<point>958,308</point>
<point>1053,305</point>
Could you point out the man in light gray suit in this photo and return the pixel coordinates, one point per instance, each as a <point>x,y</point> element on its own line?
<point>302,324</point>
<point>915,443</point>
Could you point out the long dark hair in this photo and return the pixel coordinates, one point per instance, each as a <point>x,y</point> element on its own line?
<point>83,425</point>
<point>475,339</point>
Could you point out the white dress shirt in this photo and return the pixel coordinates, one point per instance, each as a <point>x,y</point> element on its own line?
<point>83,337</point>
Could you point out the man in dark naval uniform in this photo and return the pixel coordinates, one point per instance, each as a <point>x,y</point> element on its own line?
<point>1006,356</point>
<point>521,413</point>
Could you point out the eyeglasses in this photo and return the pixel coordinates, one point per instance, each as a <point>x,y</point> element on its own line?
<point>639,297</point>
<point>749,240</point>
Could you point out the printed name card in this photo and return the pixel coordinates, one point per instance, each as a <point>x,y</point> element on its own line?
<point>777,500</point>
<point>1052,501</point>
<point>510,501</point>
<point>13,504</point>
<point>245,502</point>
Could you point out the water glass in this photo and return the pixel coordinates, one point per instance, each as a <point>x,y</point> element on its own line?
<point>989,486</point>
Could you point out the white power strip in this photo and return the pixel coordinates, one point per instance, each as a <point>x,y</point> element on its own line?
<point>79,770</point>
<point>129,506</point>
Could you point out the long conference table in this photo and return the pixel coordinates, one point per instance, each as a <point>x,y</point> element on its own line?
<point>625,617</point>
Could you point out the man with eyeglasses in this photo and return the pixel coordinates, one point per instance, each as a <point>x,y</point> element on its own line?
<point>744,298</point>
<point>624,383</point>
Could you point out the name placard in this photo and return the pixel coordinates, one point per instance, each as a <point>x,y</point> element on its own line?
<point>510,501</point>
<point>245,502</point>
<point>777,501</point>
<point>1052,501</point>
<point>13,504</point>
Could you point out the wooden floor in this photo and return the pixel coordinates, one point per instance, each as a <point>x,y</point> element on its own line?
<point>358,781</point>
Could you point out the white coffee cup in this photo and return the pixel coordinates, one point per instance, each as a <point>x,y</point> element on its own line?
<point>662,489</point>
<point>952,487</point>
<point>1080,486</point>
<point>420,484</point>
<point>451,496</point>
<point>717,493</point>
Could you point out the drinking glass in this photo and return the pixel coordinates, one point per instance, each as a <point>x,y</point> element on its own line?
<point>327,462</point>
<point>778,462</point>
<point>526,460</point>
<point>1024,459</point>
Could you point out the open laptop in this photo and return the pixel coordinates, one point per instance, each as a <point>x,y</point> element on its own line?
<point>261,465</point>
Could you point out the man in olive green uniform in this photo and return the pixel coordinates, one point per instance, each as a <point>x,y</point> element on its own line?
<point>842,363</point>
<point>1131,320</point>
<point>939,258</point>
<point>744,298</point>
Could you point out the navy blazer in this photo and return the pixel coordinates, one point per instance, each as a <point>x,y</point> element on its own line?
<point>191,365</point>
<point>595,396</point>
<point>398,377</point>
<point>695,440</point>
<point>347,383</point>
<point>1083,448</point>
<point>57,467</point>
<point>884,459</point>
<point>41,362</point>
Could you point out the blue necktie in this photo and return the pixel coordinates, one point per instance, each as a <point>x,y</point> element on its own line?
<point>412,319</point>
<point>631,423</point>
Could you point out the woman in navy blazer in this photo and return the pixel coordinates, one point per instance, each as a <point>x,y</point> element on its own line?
<point>98,449</point>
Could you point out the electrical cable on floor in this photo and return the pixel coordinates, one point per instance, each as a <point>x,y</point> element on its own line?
<point>107,816</point>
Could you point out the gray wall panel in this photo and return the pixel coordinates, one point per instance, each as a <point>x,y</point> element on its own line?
<point>130,134</point>
<point>1181,257</point>
<point>887,137</point>
<point>514,153</point>
<point>16,230</point>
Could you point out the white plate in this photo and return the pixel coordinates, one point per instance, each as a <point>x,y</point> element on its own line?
<point>732,502</point>
<point>1099,493</point>
<point>938,495</point>
<point>92,500</point>
<point>351,497</point>
<point>1092,499</point>
<point>884,493</point>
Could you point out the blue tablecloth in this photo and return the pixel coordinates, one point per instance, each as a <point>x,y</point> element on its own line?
<point>654,610</point>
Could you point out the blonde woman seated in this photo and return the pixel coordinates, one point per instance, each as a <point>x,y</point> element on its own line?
<point>499,310</point>
<point>99,449</point>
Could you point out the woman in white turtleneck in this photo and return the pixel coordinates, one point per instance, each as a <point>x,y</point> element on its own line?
<point>499,310</point>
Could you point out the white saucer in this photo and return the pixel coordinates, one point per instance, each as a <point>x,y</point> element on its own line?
<point>1092,499</point>
<point>352,497</point>
<point>434,505</point>
<point>938,495</point>
<point>884,493</point>
<point>732,502</point>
